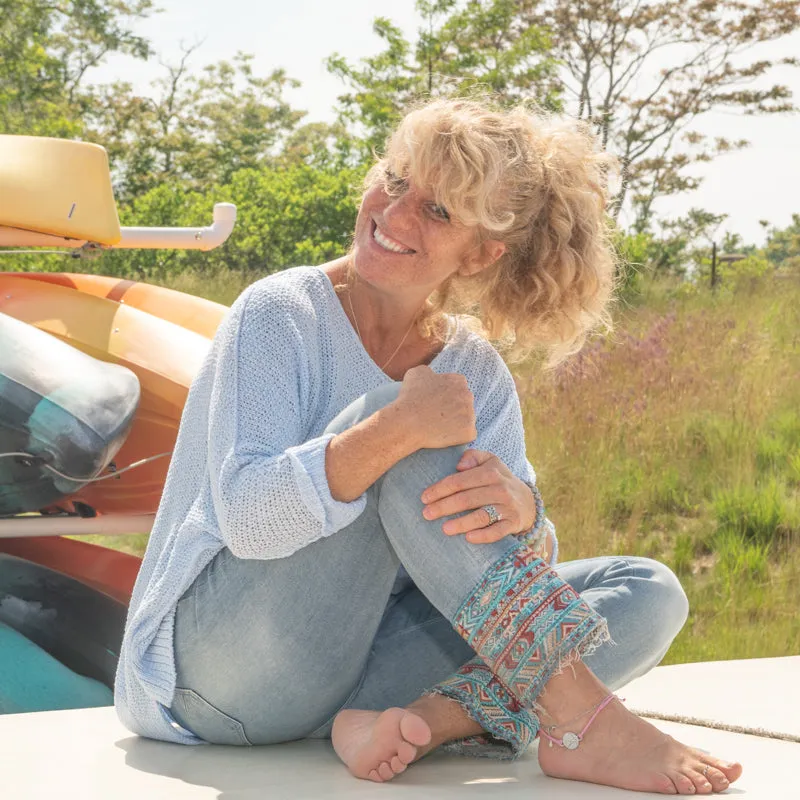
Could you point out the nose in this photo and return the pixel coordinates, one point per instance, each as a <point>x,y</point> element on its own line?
<point>399,214</point>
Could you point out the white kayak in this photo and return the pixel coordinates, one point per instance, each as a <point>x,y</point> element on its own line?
<point>88,754</point>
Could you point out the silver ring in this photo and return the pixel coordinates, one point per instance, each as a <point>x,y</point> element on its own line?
<point>494,515</point>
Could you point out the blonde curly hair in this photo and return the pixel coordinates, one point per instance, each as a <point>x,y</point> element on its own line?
<point>536,182</point>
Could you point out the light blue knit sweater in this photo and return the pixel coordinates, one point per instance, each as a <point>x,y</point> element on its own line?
<point>248,469</point>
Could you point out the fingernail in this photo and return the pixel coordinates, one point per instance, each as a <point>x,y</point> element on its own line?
<point>467,462</point>
<point>426,512</point>
<point>424,497</point>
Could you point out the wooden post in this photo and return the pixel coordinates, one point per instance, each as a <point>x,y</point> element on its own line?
<point>713,264</point>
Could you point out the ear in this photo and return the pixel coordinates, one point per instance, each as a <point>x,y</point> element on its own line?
<point>484,255</point>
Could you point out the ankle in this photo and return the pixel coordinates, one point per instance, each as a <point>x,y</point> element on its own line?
<point>446,719</point>
<point>570,694</point>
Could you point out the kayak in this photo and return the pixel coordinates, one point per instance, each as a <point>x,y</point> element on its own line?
<point>128,324</point>
<point>63,412</point>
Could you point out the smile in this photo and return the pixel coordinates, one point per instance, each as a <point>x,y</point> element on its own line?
<point>389,244</point>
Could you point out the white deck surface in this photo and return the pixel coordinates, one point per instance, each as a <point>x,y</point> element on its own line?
<point>89,755</point>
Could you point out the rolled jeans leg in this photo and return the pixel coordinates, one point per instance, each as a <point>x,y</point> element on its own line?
<point>521,619</point>
<point>525,623</point>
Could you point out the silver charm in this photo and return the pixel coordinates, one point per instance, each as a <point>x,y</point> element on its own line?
<point>570,740</point>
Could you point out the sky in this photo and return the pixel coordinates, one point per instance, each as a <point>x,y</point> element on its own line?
<point>760,182</point>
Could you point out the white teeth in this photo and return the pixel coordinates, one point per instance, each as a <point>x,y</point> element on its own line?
<point>389,244</point>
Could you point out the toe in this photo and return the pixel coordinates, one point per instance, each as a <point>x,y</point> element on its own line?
<point>406,752</point>
<point>683,783</point>
<point>414,729</point>
<point>373,776</point>
<point>732,770</point>
<point>701,782</point>
<point>663,784</point>
<point>397,765</point>
<point>385,771</point>
<point>718,780</point>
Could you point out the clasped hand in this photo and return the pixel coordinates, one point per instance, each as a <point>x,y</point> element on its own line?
<point>482,479</point>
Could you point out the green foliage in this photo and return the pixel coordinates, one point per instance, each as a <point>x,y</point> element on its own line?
<point>758,514</point>
<point>199,130</point>
<point>479,46</point>
<point>683,554</point>
<point>46,49</point>
<point>298,214</point>
<point>782,248</point>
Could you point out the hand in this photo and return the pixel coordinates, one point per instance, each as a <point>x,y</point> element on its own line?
<point>482,479</point>
<point>438,409</point>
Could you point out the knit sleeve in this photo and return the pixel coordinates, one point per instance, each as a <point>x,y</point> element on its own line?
<point>500,431</point>
<point>268,482</point>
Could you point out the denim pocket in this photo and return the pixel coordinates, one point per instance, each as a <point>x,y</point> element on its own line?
<point>197,715</point>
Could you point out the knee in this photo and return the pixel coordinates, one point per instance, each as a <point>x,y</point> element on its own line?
<point>663,599</point>
<point>364,406</point>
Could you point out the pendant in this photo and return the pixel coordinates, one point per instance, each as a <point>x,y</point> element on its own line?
<point>570,740</point>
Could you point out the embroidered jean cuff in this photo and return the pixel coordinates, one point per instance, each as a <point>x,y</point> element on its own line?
<point>509,727</point>
<point>525,623</point>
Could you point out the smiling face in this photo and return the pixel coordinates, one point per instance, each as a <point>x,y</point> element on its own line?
<point>404,240</point>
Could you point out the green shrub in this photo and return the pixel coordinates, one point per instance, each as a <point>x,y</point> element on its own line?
<point>758,514</point>
<point>683,554</point>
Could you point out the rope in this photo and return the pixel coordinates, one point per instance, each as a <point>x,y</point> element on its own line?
<point>86,480</point>
<point>718,726</point>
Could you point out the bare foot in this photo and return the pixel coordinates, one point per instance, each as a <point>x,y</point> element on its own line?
<point>377,745</point>
<point>622,750</point>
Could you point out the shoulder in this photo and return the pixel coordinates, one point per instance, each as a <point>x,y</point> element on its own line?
<point>293,300</point>
<point>478,359</point>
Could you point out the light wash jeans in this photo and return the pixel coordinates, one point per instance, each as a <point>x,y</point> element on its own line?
<point>271,651</point>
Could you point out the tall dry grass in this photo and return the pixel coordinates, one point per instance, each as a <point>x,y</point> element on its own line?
<point>678,438</point>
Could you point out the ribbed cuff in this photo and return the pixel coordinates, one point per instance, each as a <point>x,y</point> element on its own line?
<point>308,464</point>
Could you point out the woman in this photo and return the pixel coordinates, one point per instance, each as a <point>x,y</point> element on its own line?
<point>330,559</point>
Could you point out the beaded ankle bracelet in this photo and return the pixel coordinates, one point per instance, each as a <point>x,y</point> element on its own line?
<point>571,740</point>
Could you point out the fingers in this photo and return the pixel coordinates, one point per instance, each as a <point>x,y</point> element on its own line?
<point>468,500</point>
<point>490,470</point>
<point>494,533</point>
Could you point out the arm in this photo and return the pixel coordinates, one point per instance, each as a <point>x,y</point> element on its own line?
<point>357,457</point>
<point>267,479</point>
<point>500,473</point>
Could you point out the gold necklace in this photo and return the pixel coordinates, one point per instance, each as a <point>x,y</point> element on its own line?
<point>358,331</point>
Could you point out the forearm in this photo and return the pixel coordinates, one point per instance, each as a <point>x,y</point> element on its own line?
<point>357,457</point>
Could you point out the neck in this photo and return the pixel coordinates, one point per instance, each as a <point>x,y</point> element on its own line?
<point>380,318</point>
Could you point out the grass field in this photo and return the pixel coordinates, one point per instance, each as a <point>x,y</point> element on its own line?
<point>678,438</point>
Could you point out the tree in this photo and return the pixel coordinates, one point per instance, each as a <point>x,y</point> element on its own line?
<point>46,49</point>
<point>198,129</point>
<point>782,248</point>
<point>640,72</point>
<point>483,45</point>
<point>690,49</point>
<point>288,216</point>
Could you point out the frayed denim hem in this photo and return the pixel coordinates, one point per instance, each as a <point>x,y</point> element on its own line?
<point>509,728</point>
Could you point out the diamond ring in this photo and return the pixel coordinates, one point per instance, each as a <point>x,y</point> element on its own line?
<point>493,514</point>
